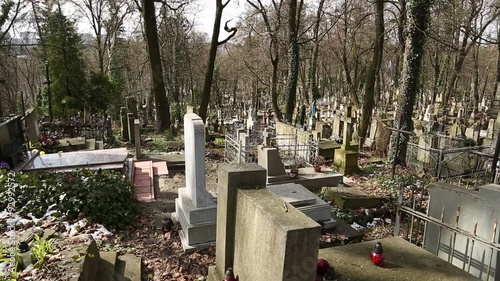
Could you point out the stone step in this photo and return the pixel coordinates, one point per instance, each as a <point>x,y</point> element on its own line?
<point>106,266</point>
<point>128,267</point>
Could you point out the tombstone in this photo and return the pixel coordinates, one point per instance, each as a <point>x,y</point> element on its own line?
<point>244,146</point>
<point>428,113</point>
<point>427,142</point>
<point>269,159</point>
<point>90,144</point>
<point>195,208</point>
<point>31,121</point>
<point>99,145</point>
<point>491,128</point>
<point>471,133</point>
<point>250,120</point>
<point>348,128</point>
<point>346,158</point>
<point>336,125</point>
<point>268,138</point>
<point>455,130</point>
<point>12,142</point>
<point>419,128</point>
<point>130,123</point>
<point>253,222</point>
<point>132,106</point>
<point>145,114</point>
<point>124,123</point>
<point>325,129</point>
<point>189,109</point>
<point>306,202</point>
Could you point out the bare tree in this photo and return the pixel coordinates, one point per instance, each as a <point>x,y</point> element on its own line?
<point>417,25</point>
<point>209,75</point>
<point>470,31</point>
<point>273,29</point>
<point>294,12</point>
<point>373,70</point>
<point>158,83</point>
<point>313,79</point>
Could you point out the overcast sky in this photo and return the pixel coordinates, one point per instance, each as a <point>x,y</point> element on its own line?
<point>204,19</point>
<point>202,13</point>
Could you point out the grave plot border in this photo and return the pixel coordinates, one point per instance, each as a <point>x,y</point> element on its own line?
<point>293,149</point>
<point>73,131</point>
<point>445,163</point>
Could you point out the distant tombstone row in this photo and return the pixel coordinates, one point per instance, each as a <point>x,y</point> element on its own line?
<point>127,116</point>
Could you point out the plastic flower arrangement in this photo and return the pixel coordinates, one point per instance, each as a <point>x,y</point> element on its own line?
<point>47,142</point>
<point>4,165</point>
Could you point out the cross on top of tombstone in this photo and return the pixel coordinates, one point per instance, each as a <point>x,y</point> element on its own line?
<point>348,122</point>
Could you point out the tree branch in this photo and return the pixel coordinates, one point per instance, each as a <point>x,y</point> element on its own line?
<point>227,29</point>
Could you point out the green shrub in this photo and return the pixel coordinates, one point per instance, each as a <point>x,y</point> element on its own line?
<point>220,141</point>
<point>103,197</point>
<point>467,143</point>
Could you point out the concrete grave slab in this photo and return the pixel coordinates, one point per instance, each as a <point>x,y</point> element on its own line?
<point>351,198</point>
<point>305,201</point>
<point>403,261</point>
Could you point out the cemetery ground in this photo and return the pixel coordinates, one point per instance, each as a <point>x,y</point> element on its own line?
<point>158,243</point>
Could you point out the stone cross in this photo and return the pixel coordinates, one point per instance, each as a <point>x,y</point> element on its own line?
<point>348,122</point>
<point>194,136</point>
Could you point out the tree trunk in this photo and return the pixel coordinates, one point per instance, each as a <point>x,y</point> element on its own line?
<point>373,70</point>
<point>209,75</point>
<point>401,39</point>
<point>475,84</point>
<point>161,101</point>
<point>313,80</point>
<point>418,22</point>
<point>274,90</point>
<point>293,59</point>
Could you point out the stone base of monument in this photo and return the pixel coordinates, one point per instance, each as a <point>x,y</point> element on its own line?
<point>198,224</point>
<point>309,178</point>
<point>306,202</point>
<point>346,161</point>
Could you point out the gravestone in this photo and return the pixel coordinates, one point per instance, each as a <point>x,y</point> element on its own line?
<point>370,141</point>
<point>12,142</point>
<point>258,235</point>
<point>346,158</point>
<point>124,123</point>
<point>491,128</point>
<point>131,132</point>
<point>269,159</point>
<point>250,120</point>
<point>306,202</point>
<point>455,130</point>
<point>31,121</point>
<point>132,106</point>
<point>99,145</point>
<point>195,208</point>
<point>336,125</point>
